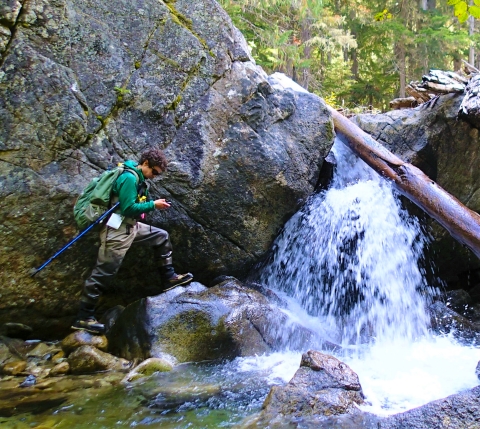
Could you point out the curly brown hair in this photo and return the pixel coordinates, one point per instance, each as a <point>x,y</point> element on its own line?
<point>155,158</point>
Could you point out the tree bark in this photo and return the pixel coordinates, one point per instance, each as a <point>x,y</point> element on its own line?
<point>471,32</point>
<point>462,223</point>
<point>402,67</point>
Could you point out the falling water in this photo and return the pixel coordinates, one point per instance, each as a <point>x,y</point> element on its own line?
<point>350,265</point>
<point>351,257</point>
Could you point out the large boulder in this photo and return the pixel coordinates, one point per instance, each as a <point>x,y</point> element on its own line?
<point>196,324</point>
<point>446,148</point>
<point>86,84</point>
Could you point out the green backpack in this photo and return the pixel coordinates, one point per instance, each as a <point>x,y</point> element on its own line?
<point>96,197</point>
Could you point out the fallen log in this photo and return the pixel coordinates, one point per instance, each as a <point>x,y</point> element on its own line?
<point>462,223</point>
<point>470,107</point>
<point>403,103</point>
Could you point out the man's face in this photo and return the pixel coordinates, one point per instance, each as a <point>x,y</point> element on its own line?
<point>150,172</point>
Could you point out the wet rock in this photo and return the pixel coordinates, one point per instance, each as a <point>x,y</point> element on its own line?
<point>322,386</point>
<point>444,320</point>
<point>147,368</point>
<point>45,351</point>
<point>14,368</point>
<point>460,411</point>
<point>5,354</point>
<point>459,301</point>
<point>17,330</point>
<point>474,292</point>
<point>28,400</point>
<point>83,338</point>
<point>19,348</point>
<point>225,321</point>
<point>61,368</point>
<point>87,359</point>
<point>46,384</point>
<point>29,381</point>
<point>59,357</point>
<point>34,369</point>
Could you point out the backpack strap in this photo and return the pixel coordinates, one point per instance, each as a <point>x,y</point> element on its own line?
<point>132,171</point>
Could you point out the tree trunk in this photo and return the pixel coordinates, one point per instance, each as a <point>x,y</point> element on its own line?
<point>471,31</point>
<point>461,222</point>
<point>304,78</point>
<point>402,67</point>
<point>354,64</point>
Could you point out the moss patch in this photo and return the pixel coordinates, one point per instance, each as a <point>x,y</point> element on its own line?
<point>191,336</point>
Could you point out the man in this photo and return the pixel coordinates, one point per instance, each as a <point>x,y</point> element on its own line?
<point>131,191</point>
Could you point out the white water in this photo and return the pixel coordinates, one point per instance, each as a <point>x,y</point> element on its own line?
<point>349,265</point>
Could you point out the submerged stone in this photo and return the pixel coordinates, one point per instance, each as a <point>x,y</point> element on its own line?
<point>28,400</point>
<point>88,359</point>
<point>147,368</point>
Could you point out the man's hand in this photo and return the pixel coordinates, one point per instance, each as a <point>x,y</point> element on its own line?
<point>161,204</point>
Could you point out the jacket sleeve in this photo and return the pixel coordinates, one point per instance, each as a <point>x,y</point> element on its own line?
<point>126,187</point>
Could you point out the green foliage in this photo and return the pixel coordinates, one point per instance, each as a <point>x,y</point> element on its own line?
<point>384,14</point>
<point>355,52</point>
<point>463,10</point>
<point>121,91</point>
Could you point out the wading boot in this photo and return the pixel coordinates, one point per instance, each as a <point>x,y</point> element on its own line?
<point>178,279</point>
<point>171,279</point>
<point>90,325</point>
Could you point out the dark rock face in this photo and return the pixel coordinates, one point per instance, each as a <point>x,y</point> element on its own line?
<point>447,149</point>
<point>196,323</point>
<point>86,84</point>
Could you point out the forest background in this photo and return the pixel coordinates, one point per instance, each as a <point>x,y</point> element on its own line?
<point>359,54</point>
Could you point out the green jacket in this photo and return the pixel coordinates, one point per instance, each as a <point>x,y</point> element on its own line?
<point>125,189</point>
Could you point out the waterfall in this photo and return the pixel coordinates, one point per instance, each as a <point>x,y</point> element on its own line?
<point>351,258</point>
<point>349,264</point>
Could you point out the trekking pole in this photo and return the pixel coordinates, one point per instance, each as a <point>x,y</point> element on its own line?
<point>103,216</point>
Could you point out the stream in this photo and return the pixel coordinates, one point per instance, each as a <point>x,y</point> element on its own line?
<point>350,266</point>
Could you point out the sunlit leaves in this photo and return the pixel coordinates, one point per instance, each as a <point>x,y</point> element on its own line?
<point>463,11</point>
<point>383,15</point>
<point>474,11</point>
